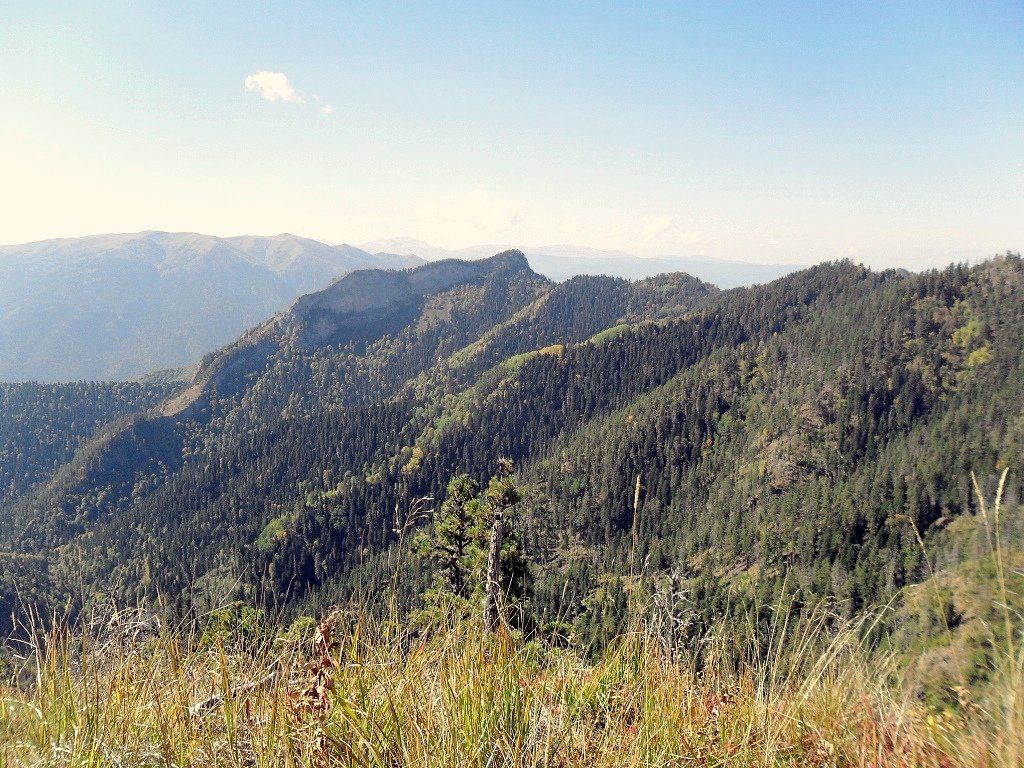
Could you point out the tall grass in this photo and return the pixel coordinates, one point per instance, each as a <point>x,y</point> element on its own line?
<point>799,691</point>
<point>1006,704</point>
<point>354,695</point>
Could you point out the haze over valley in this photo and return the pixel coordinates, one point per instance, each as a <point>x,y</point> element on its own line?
<point>120,306</point>
<point>116,307</point>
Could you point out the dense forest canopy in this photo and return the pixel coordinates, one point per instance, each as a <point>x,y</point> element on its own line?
<point>798,440</point>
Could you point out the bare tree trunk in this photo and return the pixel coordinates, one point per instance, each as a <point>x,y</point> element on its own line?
<point>492,614</point>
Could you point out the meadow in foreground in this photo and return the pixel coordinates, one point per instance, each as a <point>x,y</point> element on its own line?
<point>347,694</point>
<point>802,689</point>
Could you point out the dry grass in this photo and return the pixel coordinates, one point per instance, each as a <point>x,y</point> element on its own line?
<point>356,697</point>
<point>126,692</point>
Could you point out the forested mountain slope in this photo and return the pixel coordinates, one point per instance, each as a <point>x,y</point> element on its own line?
<point>42,425</point>
<point>331,377</point>
<point>788,439</point>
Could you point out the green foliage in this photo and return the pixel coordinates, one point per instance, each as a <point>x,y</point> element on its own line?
<point>794,439</point>
<point>238,625</point>
<point>42,425</point>
<point>610,333</point>
<point>456,540</point>
<point>272,532</point>
<point>457,545</point>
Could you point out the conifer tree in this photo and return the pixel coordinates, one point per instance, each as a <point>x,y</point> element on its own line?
<point>455,535</point>
<point>501,496</point>
<point>475,547</point>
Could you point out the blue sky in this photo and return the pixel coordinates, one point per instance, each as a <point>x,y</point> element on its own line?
<point>888,132</point>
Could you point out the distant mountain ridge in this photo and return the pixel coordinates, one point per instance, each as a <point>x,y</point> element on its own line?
<point>121,306</point>
<point>117,306</point>
<point>561,262</point>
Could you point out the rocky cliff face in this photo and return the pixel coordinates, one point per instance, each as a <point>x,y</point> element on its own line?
<point>369,295</point>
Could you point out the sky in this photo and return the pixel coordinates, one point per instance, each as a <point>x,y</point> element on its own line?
<point>890,133</point>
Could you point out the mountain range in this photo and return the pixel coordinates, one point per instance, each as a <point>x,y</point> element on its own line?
<point>115,307</point>
<point>810,440</point>
<point>119,306</point>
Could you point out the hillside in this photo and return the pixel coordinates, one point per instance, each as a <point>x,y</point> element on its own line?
<point>118,306</point>
<point>42,425</point>
<point>791,441</point>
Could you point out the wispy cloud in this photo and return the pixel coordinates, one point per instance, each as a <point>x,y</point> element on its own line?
<point>481,211</point>
<point>273,86</point>
<point>327,110</point>
<point>665,230</point>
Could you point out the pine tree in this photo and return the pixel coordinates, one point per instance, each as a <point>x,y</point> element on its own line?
<point>502,495</point>
<point>476,550</point>
<point>454,538</point>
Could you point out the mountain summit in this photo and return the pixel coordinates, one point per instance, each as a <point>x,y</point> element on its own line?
<point>449,299</point>
<point>562,262</point>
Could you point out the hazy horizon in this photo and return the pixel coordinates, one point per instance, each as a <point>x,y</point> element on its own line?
<point>793,133</point>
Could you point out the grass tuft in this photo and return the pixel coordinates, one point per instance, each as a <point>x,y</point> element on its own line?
<point>355,695</point>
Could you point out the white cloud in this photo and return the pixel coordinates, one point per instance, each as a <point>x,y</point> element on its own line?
<point>273,86</point>
<point>327,110</point>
